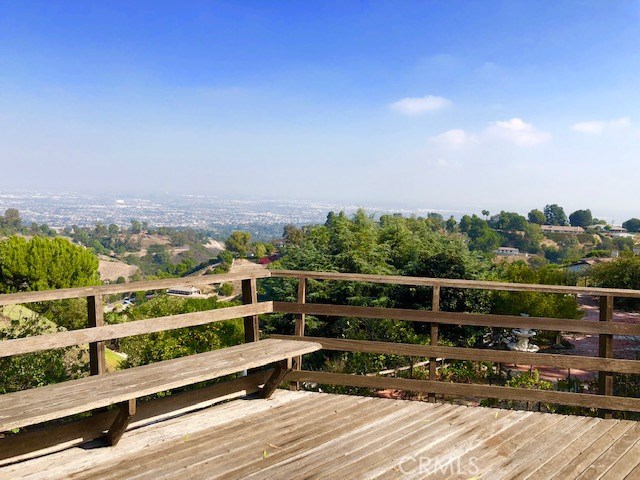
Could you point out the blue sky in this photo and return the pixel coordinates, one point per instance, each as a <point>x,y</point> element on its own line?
<point>442,104</point>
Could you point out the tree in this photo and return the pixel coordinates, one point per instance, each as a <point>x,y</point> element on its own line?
<point>136,226</point>
<point>537,216</point>
<point>113,229</point>
<point>485,214</point>
<point>450,225</point>
<point>555,215</point>
<point>581,218</point>
<point>508,221</point>
<point>12,220</point>
<point>622,273</point>
<point>238,242</point>
<point>44,264</point>
<point>632,225</point>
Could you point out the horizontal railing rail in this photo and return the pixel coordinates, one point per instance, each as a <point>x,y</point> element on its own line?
<point>604,364</point>
<point>49,341</point>
<point>146,285</point>
<point>454,283</point>
<point>457,318</point>
<point>472,354</point>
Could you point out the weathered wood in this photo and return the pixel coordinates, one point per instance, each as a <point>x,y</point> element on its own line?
<point>281,369</point>
<point>605,350</point>
<point>108,332</point>
<point>297,435</point>
<point>82,430</point>
<point>97,352</point>
<point>125,412</point>
<point>473,390</point>
<point>29,407</point>
<point>447,282</point>
<point>435,307</point>
<point>455,318</point>
<point>250,297</point>
<point>81,292</point>
<point>299,327</point>
<point>473,354</point>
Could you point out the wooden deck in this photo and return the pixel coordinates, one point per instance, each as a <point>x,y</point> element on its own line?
<point>317,435</point>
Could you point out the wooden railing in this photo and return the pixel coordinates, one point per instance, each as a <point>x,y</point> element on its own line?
<point>605,364</point>
<point>98,333</point>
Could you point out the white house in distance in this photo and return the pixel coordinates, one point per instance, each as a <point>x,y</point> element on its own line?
<point>561,229</point>
<point>184,291</point>
<point>507,251</point>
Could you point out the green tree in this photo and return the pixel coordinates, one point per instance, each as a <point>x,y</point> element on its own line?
<point>136,226</point>
<point>622,273</point>
<point>44,264</point>
<point>113,229</point>
<point>632,225</point>
<point>11,220</point>
<point>144,349</point>
<point>581,218</point>
<point>554,215</point>
<point>537,216</point>
<point>238,242</point>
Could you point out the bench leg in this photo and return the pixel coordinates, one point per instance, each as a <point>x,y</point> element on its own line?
<point>280,371</point>
<point>126,411</point>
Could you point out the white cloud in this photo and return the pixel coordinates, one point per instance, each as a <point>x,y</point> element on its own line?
<point>598,127</point>
<point>454,139</point>
<point>592,128</point>
<point>417,106</point>
<point>517,131</point>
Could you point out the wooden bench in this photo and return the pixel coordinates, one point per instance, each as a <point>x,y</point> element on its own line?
<point>30,407</point>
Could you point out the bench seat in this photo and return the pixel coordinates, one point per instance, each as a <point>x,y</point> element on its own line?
<point>30,407</point>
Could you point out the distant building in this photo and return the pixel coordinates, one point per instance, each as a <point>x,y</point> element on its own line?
<point>507,251</point>
<point>585,263</point>
<point>561,229</point>
<point>184,291</point>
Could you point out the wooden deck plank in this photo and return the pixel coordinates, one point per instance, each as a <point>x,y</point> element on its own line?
<point>582,462</point>
<point>625,466</point>
<point>352,443</point>
<point>315,435</point>
<point>514,424</point>
<point>139,441</point>
<point>540,444</point>
<point>39,405</point>
<point>394,450</point>
<point>349,442</point>
<point>234,432</point>
<point>552,448</point>
<point>613,454</point>
<point>301,445</point>
<point>575,449</point>
<point>447,455</point>
<point>498,449</point>
<point>272,439</point>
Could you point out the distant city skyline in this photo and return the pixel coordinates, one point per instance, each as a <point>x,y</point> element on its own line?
<point>445,106</point>
<point>62,209</point>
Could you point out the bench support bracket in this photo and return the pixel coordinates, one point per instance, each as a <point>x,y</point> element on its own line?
<point>281,369</point>
<point>126,411</point>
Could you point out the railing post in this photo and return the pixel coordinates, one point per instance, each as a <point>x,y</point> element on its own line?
<point>299,327</point>
<point>97,356</point>
<point>605,379</point>
<point>435,306</point>
<point>250,295</point>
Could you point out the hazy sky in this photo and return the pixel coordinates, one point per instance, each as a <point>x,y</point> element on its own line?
<point>442,104</point>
